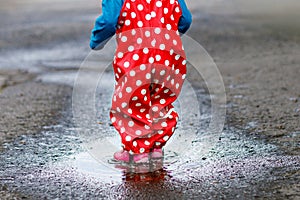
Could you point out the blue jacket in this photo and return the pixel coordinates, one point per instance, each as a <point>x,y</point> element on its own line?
<point>105,25</point>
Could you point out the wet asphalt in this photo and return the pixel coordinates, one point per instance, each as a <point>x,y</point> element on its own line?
<point>56,162</point>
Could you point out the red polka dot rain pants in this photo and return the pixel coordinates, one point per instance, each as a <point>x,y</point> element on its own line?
<point>150,68</point>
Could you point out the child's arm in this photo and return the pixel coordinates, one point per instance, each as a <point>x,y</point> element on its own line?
<point>185,19</point>
<point>105,25</point>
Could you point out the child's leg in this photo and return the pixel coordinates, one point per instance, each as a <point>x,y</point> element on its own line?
<point>142,111</point>
<point>130,109</point>
<point>162,130</point>
<point>167,85</point>
<point>129,115</point>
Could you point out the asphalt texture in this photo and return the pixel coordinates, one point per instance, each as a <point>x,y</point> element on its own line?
<point>56,164</point>
<point>49,150</point>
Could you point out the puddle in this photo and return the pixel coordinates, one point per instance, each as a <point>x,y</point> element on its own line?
<point>62,77</point>
<point>52,165</point>
<point>37,60</point>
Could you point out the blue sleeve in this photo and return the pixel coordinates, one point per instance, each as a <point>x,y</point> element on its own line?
<point>185,20</point>
<point>106,23</point>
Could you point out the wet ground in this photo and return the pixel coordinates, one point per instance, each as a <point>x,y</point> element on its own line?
<point>53,159</point>
<point>55,164</point>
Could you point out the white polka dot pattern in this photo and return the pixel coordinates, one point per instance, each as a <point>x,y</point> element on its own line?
<point>150,67</point>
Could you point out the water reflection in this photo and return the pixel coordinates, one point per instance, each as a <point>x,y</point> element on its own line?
<point>152,185</point>
<point>151,177</point>
<point>152,165</point>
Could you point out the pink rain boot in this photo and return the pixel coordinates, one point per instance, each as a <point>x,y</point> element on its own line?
<point>125,157</point>
<point>157,153</point>
<point>122,156</point>
<point>137,158</point>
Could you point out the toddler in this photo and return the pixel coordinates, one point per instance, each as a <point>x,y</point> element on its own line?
<point>149,68</point>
